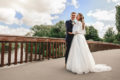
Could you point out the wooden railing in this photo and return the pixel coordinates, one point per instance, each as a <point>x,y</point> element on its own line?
<point>98,46</point>
<point>36,49</point>
<point>21,49</point>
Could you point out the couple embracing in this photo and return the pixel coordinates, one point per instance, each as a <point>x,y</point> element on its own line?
<point>78,58</point>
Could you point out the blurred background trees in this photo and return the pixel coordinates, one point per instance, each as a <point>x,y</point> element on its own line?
<point>58,30</point>
<point>109,35</point>
<point>118,18</point>
<point>92,34</point>
<point>118,23</point>
<point>41,30</point>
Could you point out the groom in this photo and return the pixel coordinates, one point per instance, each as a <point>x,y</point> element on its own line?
<point>69,35</point>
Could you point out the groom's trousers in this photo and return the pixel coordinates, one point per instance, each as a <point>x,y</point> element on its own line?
<point>68,45</point>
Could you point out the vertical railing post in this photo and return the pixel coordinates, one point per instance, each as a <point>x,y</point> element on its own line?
<point>9,53</point>
<point>2,53</point>
<point>56,51</point>
<point>43,52</point>
<point>49,51</point>
<point>53,51</point>
<point>35,51</point>
<point>64,49</point>
<point>26,52</point>
<point>61,49</point>
<point>21,56</point>
<point>31,52</point>
<point>40,51</point>
<point>46,47</point>
<point>16,47</point>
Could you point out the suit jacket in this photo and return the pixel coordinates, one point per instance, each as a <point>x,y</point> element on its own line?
<point>69,27</point>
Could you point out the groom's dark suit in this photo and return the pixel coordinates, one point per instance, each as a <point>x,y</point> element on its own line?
<point>69,37</point>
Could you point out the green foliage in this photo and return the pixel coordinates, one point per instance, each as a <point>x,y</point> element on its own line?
<point>117,38</point>
<point>41,31</point>
<point>118,17</point>
<point>92,34</point>
<point>58,30</point>
<point>109,35</point>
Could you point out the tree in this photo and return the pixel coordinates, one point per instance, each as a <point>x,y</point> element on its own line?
<point>117,38</point>
<point>118,24</point>
<point>41,31</point>
<point>92,33</point>
<point>109,35</point>
<point>58,30</point>
<point>118,17</point>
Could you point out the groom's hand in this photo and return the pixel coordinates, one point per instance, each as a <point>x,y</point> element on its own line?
<point>70,33</point>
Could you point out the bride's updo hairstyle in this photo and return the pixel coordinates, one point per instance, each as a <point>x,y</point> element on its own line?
<point>81,19</point>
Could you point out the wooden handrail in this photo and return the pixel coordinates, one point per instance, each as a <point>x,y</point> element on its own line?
<point>9,38</point>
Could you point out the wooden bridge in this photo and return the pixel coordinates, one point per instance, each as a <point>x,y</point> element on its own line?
<point>43,59</point>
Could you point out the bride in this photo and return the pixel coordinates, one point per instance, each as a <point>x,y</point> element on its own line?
<point>80,59</point>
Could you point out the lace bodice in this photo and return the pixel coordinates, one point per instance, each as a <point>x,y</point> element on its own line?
<point>78,28</point>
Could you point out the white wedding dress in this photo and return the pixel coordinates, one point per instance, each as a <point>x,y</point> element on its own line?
<point>80,59</point>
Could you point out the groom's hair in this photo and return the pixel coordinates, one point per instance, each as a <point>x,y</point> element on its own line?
<point>73,13</point>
